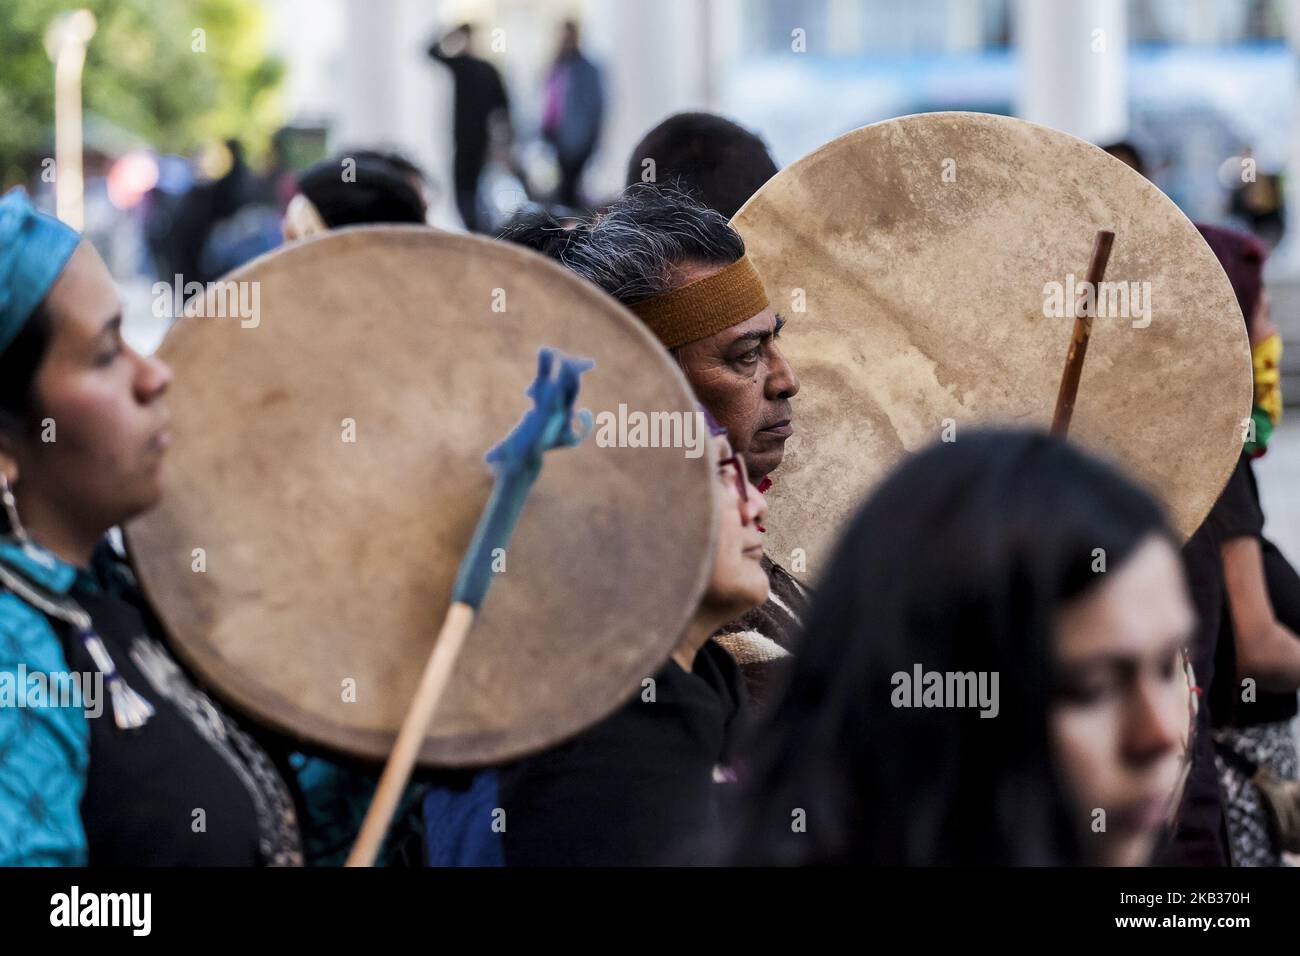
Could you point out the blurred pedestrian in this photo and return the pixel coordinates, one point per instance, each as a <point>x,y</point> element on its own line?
<point>479,101</point>
<point>226,222</point>
<point>572,112</point>
<point>1256,198</point>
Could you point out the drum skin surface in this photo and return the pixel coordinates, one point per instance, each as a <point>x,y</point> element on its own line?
<point>327,473</point>
<point>913,260</point>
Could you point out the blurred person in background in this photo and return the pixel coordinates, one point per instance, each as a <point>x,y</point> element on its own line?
<point>716,161</point>
<point>226,222</point>
<point>1255,197</point>
<point>978,557</point>
<point>1127,154</point>
<point>573,108</point>
<point>357,187</point>
<point>479,102</point>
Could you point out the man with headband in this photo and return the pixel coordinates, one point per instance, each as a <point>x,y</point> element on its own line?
<point>683,270</point>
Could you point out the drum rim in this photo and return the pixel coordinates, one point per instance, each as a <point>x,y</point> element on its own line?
<point>250,697</point>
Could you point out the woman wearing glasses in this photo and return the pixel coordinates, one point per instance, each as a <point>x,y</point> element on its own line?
<point>642,786</point>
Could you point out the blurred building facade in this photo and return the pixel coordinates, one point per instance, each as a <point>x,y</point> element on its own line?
<point>1196,85</point>
<point>1190,81</point>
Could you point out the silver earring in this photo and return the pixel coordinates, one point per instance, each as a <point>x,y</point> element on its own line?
<point>11,509</point>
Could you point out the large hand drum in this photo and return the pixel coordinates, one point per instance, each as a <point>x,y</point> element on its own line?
<point>916,259</point>
<point>328,461</point>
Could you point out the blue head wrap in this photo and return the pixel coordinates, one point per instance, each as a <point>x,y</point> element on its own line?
<point>34,248</point>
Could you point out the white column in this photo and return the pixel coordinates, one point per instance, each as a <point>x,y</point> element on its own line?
<point>962,20</point>
<point>652,66</point>
<point>391,94</point>
<point>1073,74</point>
<point>367,112</point>
<point>844,27</point>
<point>727,28</point>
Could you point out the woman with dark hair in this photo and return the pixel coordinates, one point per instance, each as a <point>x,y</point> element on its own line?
<point>136,766</point>
<point>993,673</point>
<point>642,786</point>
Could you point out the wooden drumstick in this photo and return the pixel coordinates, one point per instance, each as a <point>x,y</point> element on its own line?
<point>1069,389</point>
<point>437,671</point>
<point>517,462</point>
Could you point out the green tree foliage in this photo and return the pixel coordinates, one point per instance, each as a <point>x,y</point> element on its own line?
<point>176,73</point>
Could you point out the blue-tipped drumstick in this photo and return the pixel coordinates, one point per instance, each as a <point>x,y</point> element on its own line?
<point>516,462</point>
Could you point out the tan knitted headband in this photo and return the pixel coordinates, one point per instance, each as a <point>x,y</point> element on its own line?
<point>699,309</point>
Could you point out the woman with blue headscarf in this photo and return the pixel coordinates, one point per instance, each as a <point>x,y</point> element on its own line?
<point>109,754</point>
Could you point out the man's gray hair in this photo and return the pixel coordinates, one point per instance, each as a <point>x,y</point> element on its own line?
<point>637,247</point>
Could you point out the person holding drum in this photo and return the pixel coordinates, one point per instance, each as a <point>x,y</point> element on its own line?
<point>142,767</point>
<point>641,787</point>
<point>1249,600</point>
<point>978,690</point>
<point>134,765</point>
<point>682,269</point>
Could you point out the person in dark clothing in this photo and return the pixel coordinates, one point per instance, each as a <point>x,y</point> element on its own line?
<point>1201,836</point>
<point>572,111</point>
<point>165,776</point>
<point>718,162</point>
<point>634,790</point>
<point>642,786</point>
<point>479,98</point>
<point>1246,655</point>
<point>1250,711</point>
<point>222,224</point>
<point>1257,667</point>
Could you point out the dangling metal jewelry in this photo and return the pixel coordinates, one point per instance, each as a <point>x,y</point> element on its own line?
<point>130,710</point>
<point>11,509</point>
